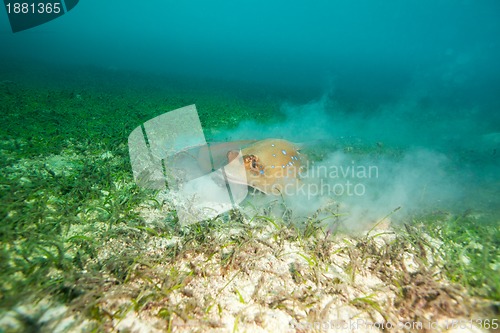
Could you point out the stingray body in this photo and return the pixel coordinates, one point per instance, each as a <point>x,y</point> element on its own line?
<point>271,166</point>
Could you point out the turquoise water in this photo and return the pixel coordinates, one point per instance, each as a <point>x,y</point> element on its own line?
<point>380,51</point>
<point>410,89</point>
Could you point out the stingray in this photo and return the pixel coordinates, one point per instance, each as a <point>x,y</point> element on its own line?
<point>271,166</point>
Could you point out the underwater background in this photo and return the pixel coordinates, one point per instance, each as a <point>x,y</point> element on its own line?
<point>411,87</point>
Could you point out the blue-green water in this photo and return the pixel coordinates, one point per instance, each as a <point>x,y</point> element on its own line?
<point>366,50</point>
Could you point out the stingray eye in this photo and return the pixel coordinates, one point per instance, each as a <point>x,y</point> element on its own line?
<point>254,163</point>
